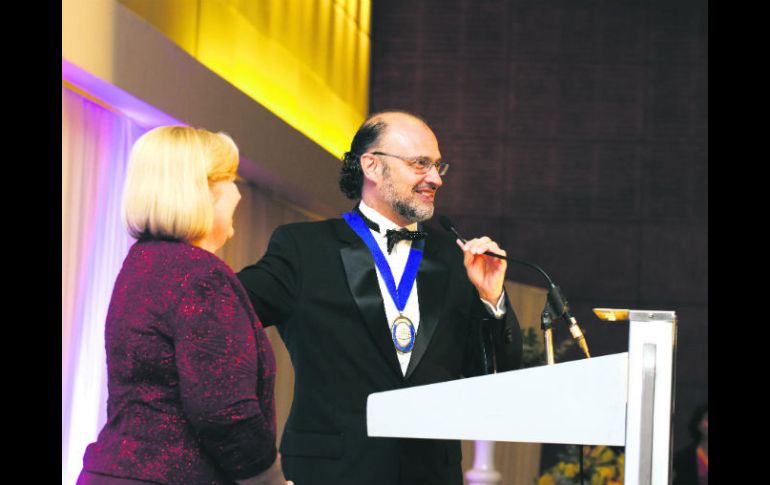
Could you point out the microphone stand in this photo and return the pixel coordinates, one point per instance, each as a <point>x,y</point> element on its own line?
<point>545,324</point>
<point>557,303</point>
<point>556,298</point>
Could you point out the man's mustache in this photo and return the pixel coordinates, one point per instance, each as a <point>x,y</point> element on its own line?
<point>429,185</point>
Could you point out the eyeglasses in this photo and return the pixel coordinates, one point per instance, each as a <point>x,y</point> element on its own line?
<point>420,165</point>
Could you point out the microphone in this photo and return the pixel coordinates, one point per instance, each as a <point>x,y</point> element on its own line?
<point>556,298</point>
<point>447,224</point>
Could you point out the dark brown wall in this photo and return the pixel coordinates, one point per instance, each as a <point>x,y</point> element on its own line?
<point>577,137</point>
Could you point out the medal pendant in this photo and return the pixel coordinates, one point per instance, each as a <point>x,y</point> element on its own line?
<point>403,334</point>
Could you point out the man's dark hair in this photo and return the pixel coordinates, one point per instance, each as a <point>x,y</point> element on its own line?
<point>351,174</point>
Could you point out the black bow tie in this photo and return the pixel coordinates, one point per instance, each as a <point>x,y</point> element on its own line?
<point>401,235</point>
<point>392,235</point>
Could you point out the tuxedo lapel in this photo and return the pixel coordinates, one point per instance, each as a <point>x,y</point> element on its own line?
<point>362,280</point>
<point>431,290</point>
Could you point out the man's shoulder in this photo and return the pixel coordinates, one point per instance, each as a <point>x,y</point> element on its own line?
<point>306,233</point>
<point>305,227</point>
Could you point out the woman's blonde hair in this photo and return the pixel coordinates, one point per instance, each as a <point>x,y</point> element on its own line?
<point>166,192</point>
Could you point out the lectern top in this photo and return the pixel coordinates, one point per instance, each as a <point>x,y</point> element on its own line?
<point>616,315</point>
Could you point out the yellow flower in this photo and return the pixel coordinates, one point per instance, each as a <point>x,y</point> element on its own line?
<point>607,455</point>
<point>570,470</point>
<point>606,472</point>
<point>546,479</point>
<point>597,451</point>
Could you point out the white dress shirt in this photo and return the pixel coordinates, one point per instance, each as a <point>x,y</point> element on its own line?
<point>397,262</point>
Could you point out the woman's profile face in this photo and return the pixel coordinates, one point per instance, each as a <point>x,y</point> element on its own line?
<point>226,197</point>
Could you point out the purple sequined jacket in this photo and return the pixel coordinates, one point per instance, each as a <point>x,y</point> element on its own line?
<point>191,373</point>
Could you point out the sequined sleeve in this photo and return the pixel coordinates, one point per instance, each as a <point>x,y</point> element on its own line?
<point>217,348</point>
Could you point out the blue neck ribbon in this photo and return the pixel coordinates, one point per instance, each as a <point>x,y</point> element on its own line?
<point>399,294</point>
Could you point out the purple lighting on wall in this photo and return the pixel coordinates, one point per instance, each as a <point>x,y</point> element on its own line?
<point>140,112</point>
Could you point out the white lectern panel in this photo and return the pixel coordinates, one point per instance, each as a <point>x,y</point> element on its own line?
<point>579,402</point>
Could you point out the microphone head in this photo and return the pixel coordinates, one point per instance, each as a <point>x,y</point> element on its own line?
<point>445,223</point>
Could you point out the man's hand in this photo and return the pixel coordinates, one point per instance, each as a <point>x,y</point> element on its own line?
<point>487,273</point>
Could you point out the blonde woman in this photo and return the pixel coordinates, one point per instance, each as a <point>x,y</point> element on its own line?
<point>190,369</point>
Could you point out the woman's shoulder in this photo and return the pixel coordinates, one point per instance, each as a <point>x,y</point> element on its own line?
<point>176,259</point>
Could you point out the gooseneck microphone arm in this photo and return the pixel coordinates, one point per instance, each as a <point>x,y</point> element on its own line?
<point>447,224</point>
<point>556,304</point>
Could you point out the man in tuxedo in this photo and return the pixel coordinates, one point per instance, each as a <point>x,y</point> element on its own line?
<point>356,320</point>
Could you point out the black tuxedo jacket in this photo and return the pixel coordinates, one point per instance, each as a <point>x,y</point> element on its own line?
<point>317,283</point>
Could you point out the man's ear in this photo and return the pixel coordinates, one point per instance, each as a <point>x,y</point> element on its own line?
<point>369,166</point>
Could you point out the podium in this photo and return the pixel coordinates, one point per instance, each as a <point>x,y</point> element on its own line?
<point>623,399</point>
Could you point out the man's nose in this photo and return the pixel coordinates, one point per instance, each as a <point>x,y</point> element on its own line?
<point>433,177</point>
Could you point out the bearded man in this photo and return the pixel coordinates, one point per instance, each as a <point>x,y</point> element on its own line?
<point>377,301</point>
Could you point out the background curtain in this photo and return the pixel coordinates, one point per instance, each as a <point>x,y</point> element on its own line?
<point>95,141</point>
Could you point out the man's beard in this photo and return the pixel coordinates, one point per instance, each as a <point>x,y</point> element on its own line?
<point>412,210</point>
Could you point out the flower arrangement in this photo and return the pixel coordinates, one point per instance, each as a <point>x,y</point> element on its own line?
<point>602,465</point>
